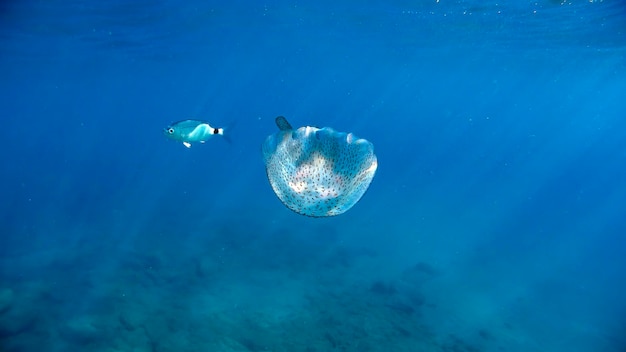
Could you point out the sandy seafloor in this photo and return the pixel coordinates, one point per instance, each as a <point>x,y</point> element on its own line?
<point>263,286</point>
<point>494,222</point>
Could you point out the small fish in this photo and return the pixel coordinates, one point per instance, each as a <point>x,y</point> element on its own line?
<point>191,131</point>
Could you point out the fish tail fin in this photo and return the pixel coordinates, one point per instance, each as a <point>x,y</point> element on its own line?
<point>227,131</point>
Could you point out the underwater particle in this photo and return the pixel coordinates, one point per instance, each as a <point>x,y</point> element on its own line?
<point>318,172</point>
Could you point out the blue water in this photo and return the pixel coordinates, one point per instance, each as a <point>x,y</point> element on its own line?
<point>495,221</point>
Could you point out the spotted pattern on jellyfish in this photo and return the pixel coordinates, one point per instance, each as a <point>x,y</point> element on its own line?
<point>318,172</point>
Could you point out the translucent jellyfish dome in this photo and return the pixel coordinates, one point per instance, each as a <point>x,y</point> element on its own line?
<point>318,172</point>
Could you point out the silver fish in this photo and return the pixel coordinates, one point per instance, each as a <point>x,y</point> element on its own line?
<point>191,131</point>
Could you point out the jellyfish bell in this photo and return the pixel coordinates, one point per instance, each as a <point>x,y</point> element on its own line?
<point>318,172</point>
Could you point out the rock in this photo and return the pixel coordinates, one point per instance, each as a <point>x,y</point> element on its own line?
<point>206,268</point>
<point>80,330</point>
<point>17,319</point>
<point>383,289</point>
<point>6,300</point>
<point>129,321</point>
<point>419,274</point>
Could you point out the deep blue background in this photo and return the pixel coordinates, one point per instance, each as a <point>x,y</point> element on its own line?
<point>500,131</point>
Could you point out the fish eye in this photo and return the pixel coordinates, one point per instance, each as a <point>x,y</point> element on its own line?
<point>170,130</point>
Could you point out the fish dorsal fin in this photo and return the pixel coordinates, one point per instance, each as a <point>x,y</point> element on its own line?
<point>283,124</point>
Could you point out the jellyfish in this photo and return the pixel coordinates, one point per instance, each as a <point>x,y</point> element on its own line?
<point>318,172</point>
